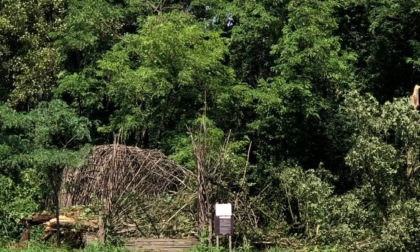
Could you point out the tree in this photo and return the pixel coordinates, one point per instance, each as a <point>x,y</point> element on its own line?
<point>88,30</point>
<point>310,70</point>
<point>42,141</point>
<point>383,35</point>
<point>256,30</point>
<point>30,61</point>
<point>384,163</point>
<point>161,77</point>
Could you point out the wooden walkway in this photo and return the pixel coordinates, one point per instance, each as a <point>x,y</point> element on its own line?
<point>161,244</point>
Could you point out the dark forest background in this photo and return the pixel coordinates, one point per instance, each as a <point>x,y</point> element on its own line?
<point>312,94</point>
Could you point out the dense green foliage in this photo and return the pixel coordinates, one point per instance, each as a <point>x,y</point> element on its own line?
<point>312,94</point>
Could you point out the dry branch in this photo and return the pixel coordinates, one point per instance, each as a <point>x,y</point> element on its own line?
<point>120,178</point>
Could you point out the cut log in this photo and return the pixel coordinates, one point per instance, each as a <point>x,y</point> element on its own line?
<point>48,232</point>
<point>64,221</point>
<point>39,218</point>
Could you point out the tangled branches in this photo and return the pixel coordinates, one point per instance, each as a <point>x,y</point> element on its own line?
<point>120,177</point>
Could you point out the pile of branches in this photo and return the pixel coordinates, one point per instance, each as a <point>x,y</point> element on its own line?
<point>120,179</point>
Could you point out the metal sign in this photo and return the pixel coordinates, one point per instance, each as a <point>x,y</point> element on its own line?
<point>223,209</point>
<point>223,225</point>
<point>223,222</point>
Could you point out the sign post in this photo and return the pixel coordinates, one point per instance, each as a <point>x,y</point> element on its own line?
<point>223,222</point>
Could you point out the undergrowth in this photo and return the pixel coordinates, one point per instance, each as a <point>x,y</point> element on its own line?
<point>38,247</point>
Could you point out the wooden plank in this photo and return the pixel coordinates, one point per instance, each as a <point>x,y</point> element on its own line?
<point>161,244</point>
<point>164,239</point>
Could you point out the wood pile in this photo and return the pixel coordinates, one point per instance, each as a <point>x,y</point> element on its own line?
<point>68,224</point>
<point>123,182</point>
<point>116,170</point>
<point>75,223</point>
<point>120,185</point>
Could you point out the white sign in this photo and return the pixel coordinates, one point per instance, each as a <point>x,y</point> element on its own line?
<point>223,209</point>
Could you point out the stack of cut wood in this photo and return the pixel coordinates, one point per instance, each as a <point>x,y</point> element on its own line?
<point>74,225</point>
<point>71,228</point>
<point>51,225</point>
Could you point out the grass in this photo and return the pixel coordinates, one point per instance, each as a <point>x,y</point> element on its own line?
<point>95,247</point>
<point>38,247</point>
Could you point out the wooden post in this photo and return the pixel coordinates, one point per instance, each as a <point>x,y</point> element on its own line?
<point>101,231</point>
<point>26,235</point>
<point>217,242</point>
<point>56,183</point>
<point>230,243</point>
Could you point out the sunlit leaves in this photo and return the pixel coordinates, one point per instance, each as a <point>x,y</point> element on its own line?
<point>30,62</point>
<point>306,198</point>
<point>171,66</point>
<point>384,157</point>
<point>402,229</point>
<point>37,76</point>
